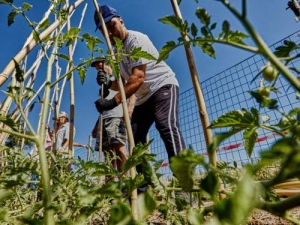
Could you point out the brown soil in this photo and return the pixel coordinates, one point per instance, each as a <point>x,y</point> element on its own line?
<point>258,217</point>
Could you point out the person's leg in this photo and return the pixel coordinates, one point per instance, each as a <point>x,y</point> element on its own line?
<point>107,151</point>
<point>120,151</point>
<point>142,119</point>
<point>166,118</point>
<point>117,137</point>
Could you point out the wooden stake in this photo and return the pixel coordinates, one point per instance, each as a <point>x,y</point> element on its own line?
<point>27,49</point>
<point>199,96</point>
<point>125,110</point>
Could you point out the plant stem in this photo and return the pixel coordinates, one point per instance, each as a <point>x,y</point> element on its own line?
<point>263,48</point>
<point>279,208</point>
<point>19,198</point>
<point>292,219</point>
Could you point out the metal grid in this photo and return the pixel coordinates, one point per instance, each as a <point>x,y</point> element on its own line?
<point>224,92</point>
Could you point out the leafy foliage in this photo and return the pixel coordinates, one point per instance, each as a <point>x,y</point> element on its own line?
<point>183,166</point>
<point>76,196</point>
<point>189,34</point>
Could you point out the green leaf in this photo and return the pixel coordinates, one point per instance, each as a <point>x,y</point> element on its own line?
<point>179,219</point>
<point>264,101</point>
<point>71,35</point>
<point>119,46</point>
<point>183,166</point>
<point>137,53</point>
<point>195,217</point>
<point>110,188</point>
<point>19,72</point>
<point>165,51</point>
<point>237,36</point>
<point>9,122</point>
<point>6,2</point>
<point>36,36</point>
<point>146,204</point>
<point>120,214</point>
<point>194,30</point>
<point>236,209</point>
<point>82,73</point>
<point>4,214</point>
<point>207,48</point>
<point>213,26</point>
<point>44,24</point>
<point>115,68</point>
<point>235,164</point>
<point>135,183</point>
<point>163,209</point>
<point>157,165</point>
<point>286,49</point>
<point>203,16</point>
<point>63,56</point>
<point>32,106</point>
<point>11,17</point>
<point>175,22</point>
<point>255,116</point>
<point>222,164</point>
<point>92,42</point>
<point>204,31</point>
<point>218,138</point>
<point>139,152</point>
<point>237,118</point>
<point>4,194</point>
<point>26,6</point>
<point>250,136</point>
<point>280,149</point>
<point>180,203</point>
<point>226,28</point>
<point>103,169</point>
<point>210,184</point>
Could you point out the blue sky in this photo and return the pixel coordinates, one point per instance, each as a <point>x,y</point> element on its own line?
<point>270,19</point>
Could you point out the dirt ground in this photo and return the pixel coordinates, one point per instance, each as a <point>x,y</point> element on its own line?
<point>258,217</point>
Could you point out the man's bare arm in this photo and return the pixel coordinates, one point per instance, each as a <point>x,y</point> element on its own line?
<point>133,83</point>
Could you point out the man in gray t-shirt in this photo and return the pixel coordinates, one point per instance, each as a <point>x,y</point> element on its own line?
<point>154,85</point>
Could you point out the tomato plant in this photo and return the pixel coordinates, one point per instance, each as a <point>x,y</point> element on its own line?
<point>269,73</point>
<point>264,91</point>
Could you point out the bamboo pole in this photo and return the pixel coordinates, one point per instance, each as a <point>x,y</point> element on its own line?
<point>34,67</point>
<point>72,97</point>
<point>46,16</point>
<point>199,96</point>
<point>287,192</point>
<point>27,49</point>
<point>8,102</point>
<point>125,110</point>
<point>4,107</point>
<point>32,71</point>
<point>289,184</point>
<point>89,150</point>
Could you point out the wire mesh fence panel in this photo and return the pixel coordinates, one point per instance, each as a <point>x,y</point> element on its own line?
<point>224,92</point>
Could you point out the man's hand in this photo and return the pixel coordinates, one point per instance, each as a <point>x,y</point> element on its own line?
<point>103,78</point>
<point>105,105</point>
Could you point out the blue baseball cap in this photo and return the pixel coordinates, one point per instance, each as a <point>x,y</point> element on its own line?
<point>107,13</point>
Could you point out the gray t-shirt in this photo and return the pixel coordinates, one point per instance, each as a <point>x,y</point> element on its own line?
<point>62,135</point>
<point>157,74</point>
<point>115,112</point>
